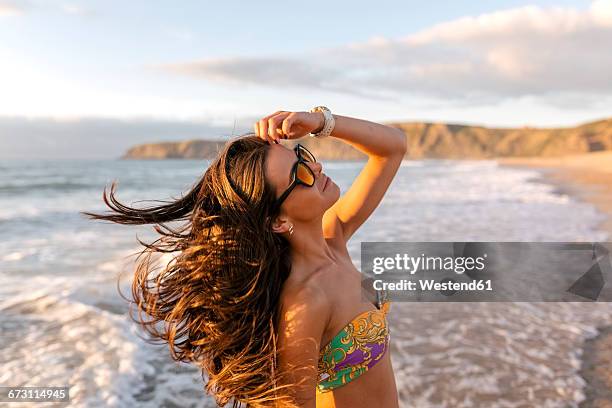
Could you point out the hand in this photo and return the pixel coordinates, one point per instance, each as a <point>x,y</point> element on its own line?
<point>288,125</point>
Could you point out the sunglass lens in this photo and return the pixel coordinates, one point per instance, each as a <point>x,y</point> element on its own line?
<point>305,174</point>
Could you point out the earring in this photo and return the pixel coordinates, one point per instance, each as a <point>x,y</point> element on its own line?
<point>291,230</point>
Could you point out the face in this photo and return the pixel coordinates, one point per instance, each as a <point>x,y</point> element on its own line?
<point>303,202</point>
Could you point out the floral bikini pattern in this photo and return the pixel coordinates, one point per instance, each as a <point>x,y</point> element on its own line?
<point>356,348</point>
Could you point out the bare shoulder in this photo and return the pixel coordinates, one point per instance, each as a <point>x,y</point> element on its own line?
<point>309,299</point>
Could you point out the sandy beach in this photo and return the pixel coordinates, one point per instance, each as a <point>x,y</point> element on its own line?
<point>587,177</point>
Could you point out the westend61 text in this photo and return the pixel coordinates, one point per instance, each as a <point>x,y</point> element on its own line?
<point>430,284</point>
<point>413,264</point>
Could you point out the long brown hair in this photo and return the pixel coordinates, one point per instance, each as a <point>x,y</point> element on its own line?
<point>217,299</point>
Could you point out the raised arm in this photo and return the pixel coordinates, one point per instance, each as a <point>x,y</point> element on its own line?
<point>385,147</point>
<point>301,326</point>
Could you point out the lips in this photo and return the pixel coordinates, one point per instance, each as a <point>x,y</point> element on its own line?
<point>325,183</point>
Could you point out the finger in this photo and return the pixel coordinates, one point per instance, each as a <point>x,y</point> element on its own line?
<point>263,126</point>
<point>263,130</point>
<point>256,128</point>
<point>271,124</point>
<point>260,134</point>
<point>274,129</point>
<point>286,126</point>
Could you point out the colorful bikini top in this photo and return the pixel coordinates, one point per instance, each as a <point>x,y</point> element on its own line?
<point>356,348</point>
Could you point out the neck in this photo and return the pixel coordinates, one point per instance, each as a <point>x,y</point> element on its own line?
<point>309,250</point>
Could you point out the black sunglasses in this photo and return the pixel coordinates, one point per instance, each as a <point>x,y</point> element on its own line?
<point>301,173</point>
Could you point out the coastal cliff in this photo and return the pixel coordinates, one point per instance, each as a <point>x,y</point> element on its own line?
<point>188,149</point>
<point>426,140</point>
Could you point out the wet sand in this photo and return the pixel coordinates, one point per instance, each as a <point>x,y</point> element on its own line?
<point>587,177</point>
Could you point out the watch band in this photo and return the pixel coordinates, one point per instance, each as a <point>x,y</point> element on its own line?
<point>329,124</point>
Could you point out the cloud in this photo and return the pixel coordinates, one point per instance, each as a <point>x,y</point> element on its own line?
<point>546,52</point>
<point>88,138</point>
<point>9,8</point>
<point>269,71</point>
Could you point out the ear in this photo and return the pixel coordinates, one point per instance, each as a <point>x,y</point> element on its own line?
<point>281,225</point>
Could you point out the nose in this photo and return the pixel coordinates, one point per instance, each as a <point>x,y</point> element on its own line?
<point>316,167</point>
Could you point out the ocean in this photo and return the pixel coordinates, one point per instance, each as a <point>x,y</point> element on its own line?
<point>63,322</point>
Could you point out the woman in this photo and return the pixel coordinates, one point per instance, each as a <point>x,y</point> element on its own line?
<point>261,292</point>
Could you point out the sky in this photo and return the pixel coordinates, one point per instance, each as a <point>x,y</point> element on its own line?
<point>89,79</point>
